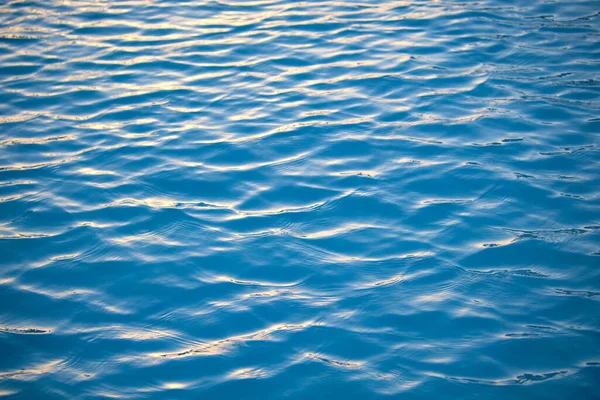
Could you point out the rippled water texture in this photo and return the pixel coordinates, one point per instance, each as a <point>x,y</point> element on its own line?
<point>323,199</point>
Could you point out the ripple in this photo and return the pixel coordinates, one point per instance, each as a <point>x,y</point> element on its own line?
<point>239,199</point>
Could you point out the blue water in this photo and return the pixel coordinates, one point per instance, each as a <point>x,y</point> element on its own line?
<point>299,200</point>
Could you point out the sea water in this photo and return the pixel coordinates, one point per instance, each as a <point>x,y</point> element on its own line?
<point>275,199</point>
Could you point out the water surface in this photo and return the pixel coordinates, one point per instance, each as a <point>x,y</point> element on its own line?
<point>321,199</point>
